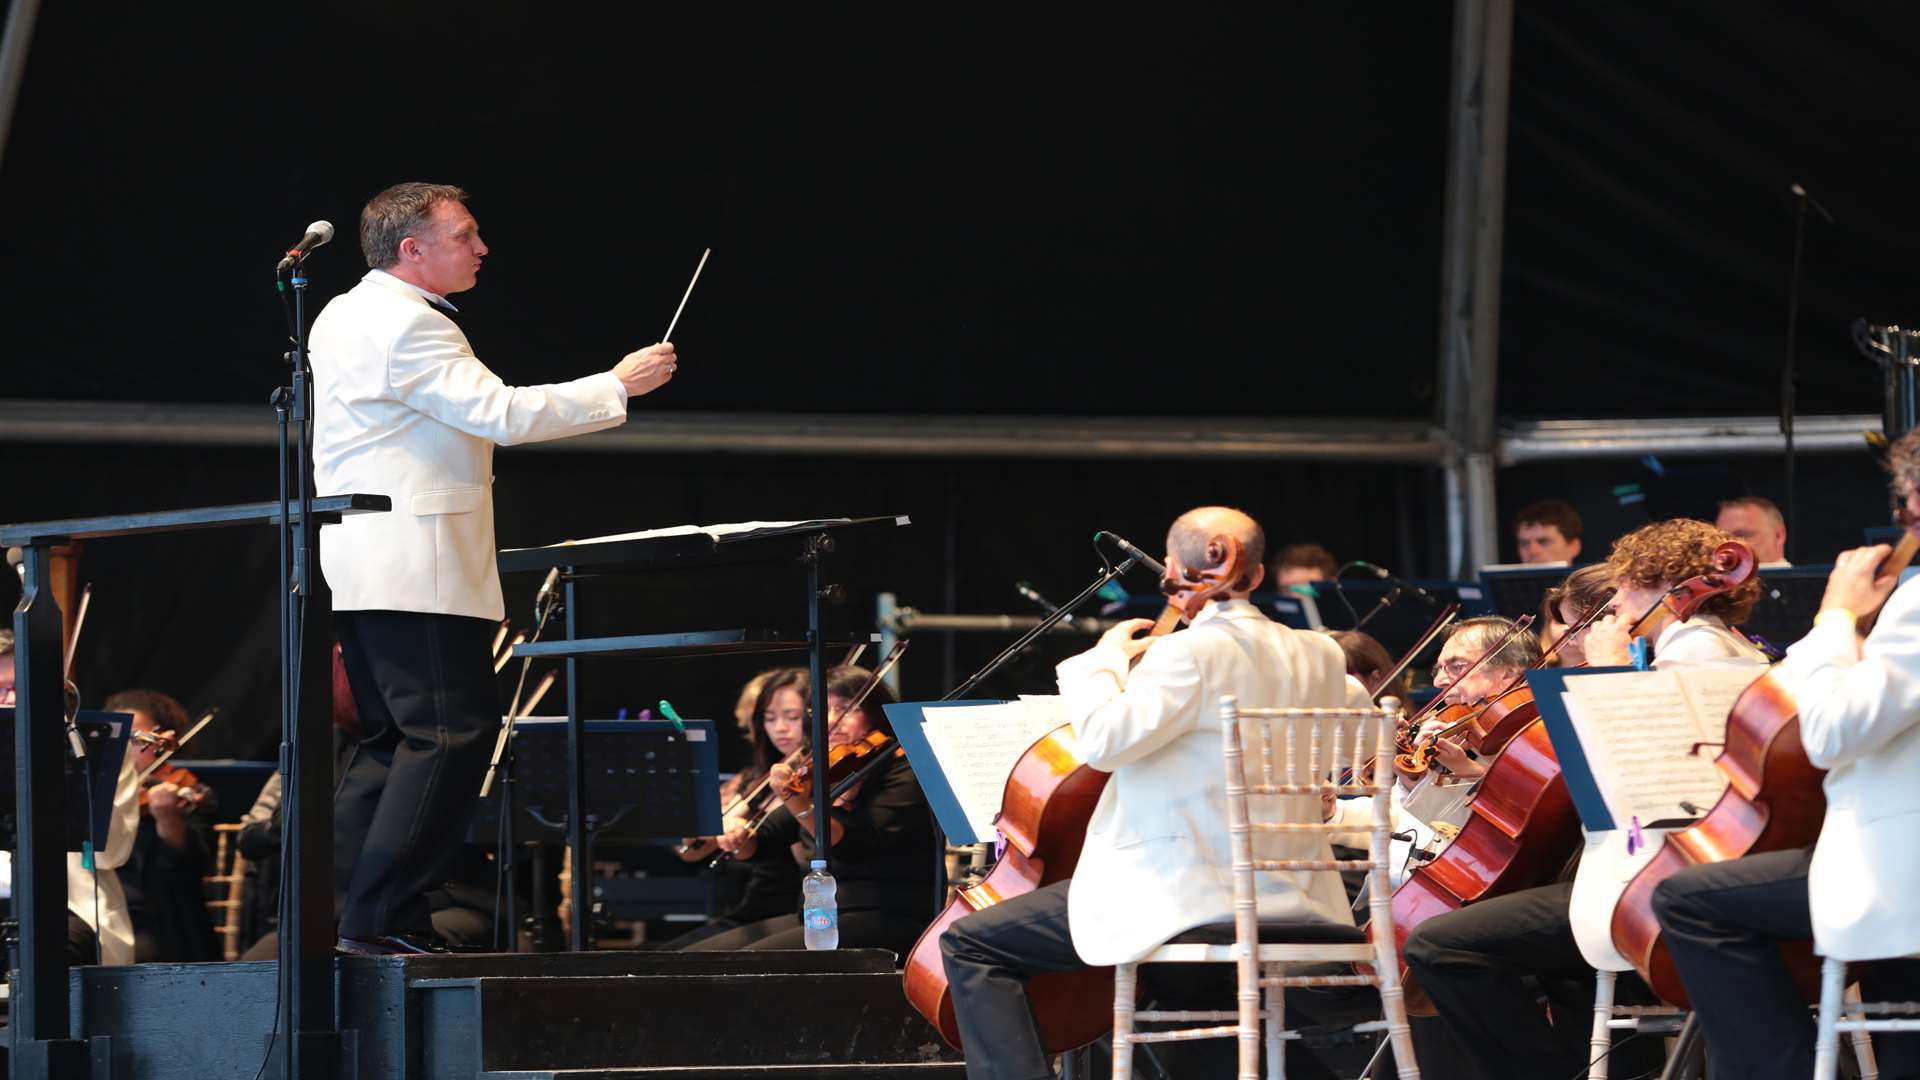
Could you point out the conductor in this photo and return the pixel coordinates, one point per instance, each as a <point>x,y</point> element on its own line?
<point>403,408</point>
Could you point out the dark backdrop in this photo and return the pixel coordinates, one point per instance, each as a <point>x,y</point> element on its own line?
<point>1214,211</point>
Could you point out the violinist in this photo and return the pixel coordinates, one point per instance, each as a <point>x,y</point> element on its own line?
<point>172,849</point>
<point>1155,861</point>
<point>1479,964</point>
<point>883,839</point>
<point>752,890</point>
<point>98,930</point>
<point>1465,675</point>
<point>1566,604</point>
<point>1852,892</point>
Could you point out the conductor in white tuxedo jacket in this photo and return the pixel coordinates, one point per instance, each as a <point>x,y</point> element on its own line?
<point>403,408</point>
<point>1155,862</point>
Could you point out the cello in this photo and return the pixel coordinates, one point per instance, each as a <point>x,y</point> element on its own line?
<point>1050,797</point>
<point>1773,802</point>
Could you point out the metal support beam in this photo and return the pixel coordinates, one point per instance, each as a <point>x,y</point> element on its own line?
<point>13,61</point>
<point>1470,272</point>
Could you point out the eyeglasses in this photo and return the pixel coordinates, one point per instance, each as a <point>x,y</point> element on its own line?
<point>1454,668</point>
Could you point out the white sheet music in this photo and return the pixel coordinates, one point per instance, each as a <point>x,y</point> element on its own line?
<point>978,745</point>
<point>1637,729</point>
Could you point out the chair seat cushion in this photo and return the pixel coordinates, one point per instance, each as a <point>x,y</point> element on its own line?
<point>1276,932</point>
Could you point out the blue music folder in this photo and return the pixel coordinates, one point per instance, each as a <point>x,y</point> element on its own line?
<point>1547,685</point>
<point>906,719</point>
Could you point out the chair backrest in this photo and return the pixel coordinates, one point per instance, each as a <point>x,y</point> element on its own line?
<point>227,887</point>
<point>1299,758</point>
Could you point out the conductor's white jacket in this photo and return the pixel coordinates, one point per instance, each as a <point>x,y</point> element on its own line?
<point>403,408</point>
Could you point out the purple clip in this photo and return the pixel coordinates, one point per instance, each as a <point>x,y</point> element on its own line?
<point>1634,840</point>
<point>999,844</point>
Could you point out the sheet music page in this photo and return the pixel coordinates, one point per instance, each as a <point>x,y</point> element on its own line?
<point>978,746</point>
<point>1637,728</point>
<point>1712,690</point>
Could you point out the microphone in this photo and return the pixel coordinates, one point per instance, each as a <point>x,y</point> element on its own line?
<point>318,234</point>
<point>549,591</point>
<point>1046,605</point>
<point>1385,574</point>
<point>1159,568</point>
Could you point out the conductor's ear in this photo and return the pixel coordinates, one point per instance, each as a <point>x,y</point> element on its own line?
<point>1254,579</point>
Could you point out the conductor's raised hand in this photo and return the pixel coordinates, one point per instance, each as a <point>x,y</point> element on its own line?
<point>1125,636</point>
<point>645,370</point>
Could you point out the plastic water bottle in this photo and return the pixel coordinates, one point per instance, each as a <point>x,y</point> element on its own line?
<point>819,913</point>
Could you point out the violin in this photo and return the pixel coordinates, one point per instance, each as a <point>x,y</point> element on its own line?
<point>1774,802</point>
<point>193,793</point>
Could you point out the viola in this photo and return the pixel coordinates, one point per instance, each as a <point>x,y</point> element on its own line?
<point>1049,799</point>
<point>1773,802</point>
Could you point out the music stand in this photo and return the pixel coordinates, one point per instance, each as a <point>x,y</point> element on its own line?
<point>1516,590</point>
<point>106,736</point>
<point>645,781</point>
<point>1789,599</point>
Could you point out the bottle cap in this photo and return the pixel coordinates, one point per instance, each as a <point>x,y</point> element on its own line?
<point>819,864</point>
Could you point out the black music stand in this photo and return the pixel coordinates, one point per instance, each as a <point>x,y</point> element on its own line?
<point>42,1044</point>
<point>105,735</point>
<point>645,781</point>
<point>1789,599</point>
<point>1514,591</point>
<point>804,544</point>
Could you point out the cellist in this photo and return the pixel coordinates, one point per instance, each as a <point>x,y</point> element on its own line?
<point>1474,962</point>
<point>1853,892</point>
<point>1155,861</point>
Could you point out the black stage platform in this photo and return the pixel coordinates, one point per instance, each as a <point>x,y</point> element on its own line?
<point>688,1016</point>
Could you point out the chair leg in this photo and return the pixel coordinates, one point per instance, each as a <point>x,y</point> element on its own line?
<point>1276,1024</point>
<point>1124,977</point>
<point>1826,1047</point>
<point>1602,1041</point>
<point>1862,1043</point>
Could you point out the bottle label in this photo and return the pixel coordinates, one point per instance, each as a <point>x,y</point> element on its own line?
<point>815,918</point>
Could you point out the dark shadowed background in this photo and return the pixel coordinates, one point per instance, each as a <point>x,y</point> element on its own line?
<point>1206,212</point>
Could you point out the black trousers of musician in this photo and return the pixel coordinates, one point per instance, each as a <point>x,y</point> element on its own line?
<point>990,954</point>
<point>1487,967</point>
<point>1724,923</point>
<point>429,710</point>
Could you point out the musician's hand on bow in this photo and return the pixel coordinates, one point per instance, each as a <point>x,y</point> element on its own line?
<point>737,841</point>
<point>1856,583</point>
<point>1606,643</point>
<point>1122,636</point>
<point>645,370</point>
<point>1454,757</point>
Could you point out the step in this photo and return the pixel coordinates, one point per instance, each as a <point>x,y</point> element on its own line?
<point>942,1070</point>
<point>557,1022</point>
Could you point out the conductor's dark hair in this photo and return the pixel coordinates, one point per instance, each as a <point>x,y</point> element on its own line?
<point>401,211</point>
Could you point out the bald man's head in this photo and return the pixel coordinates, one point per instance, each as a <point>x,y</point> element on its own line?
<point>1187,540</point>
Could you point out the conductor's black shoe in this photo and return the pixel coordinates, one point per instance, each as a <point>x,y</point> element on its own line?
<point>404,944</point>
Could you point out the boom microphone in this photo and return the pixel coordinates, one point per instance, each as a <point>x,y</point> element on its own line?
<point>318,234</point>
<point>1135,553</point>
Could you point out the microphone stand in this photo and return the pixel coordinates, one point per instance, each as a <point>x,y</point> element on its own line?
<point>306,1010</point>
<point>1051,620</point>
<point>505,877</point>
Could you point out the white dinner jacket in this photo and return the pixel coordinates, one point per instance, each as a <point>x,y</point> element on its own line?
<point>1606,867</point>
<point>403,408</point>
<point>1859,705</point>
<point>1157,859</point>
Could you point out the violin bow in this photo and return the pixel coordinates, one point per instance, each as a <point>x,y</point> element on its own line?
<point>79,624</point>
<point>180,743</point>
<point>1439,626</point>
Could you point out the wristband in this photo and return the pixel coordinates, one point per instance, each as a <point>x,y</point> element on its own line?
<point>1836,615</point>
